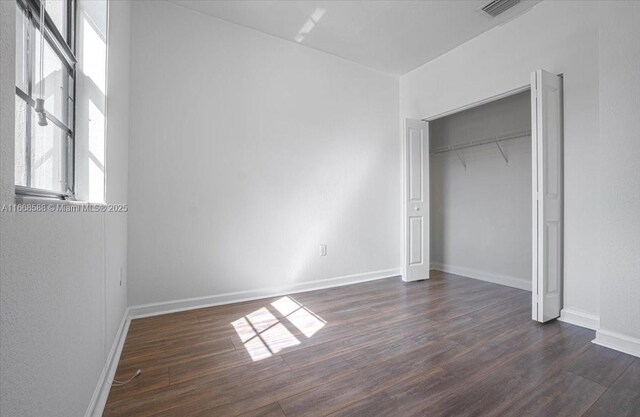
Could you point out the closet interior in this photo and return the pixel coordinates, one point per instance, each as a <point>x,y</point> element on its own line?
<point>480,187</point>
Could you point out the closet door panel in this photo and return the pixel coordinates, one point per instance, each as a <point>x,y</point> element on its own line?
<point>415,221</point>
<point>546,90</point>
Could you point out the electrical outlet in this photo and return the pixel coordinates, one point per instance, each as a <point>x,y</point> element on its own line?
<point>323,249</point>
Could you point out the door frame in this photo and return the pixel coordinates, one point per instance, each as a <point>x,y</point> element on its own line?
<point>523,88</point>
<point>478,103</point>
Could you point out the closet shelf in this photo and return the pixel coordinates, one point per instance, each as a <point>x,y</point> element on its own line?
<point>486,141</point>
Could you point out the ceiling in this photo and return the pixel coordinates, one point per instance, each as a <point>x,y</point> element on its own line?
<point>390,36</point>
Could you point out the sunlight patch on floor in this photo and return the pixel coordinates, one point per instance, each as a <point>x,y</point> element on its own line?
<point>298,315</point>
<point>264,335</point>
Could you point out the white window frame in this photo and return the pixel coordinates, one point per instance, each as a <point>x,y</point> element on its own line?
<point>63,45</point>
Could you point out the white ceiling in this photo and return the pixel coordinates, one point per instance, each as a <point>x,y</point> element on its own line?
<point>391,36</point>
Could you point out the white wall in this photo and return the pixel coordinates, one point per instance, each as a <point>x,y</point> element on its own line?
<point>561,37</point>
<point>59,301</point>
<point>481,216</point>
<point>619,165</point>
<point>248,152</point>
<point>117,162</point>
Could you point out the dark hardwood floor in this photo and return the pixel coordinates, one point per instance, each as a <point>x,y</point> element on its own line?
<point>449,346</point>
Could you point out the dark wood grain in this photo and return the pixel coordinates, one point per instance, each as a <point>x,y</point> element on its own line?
<point>271,410</point>
<point>564,394</point>
<point>601,365</point>
<point>623,397</point>
<point>442,347</point>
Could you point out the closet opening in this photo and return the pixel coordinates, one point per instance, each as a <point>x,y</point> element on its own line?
<point>480,192</point>
<point>483,193</point>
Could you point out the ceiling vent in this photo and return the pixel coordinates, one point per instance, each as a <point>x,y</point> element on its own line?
<point>499,6</point>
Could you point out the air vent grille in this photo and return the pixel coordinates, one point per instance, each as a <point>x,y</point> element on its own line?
<point>499,6</point>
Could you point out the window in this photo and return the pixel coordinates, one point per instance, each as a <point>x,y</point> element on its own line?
<point>44,155</point>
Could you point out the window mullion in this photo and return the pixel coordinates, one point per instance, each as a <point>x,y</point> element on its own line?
<point>64,138</point>
<point>58,42</point>
<point>50,117</point>
<point>71,119</point>
<point>63,126</point>
<point>71,25</point>
<point>30,77</point>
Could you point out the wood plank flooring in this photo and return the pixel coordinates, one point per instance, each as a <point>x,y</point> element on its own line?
<point>449,346</point>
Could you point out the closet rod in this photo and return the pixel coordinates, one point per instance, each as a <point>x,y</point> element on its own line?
<point>495,139</point>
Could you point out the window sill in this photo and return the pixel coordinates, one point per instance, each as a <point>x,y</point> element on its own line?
<point>25,195</point>
<point>27,199</point>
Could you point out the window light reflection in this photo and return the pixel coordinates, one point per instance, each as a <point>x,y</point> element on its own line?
<point>264,335</point>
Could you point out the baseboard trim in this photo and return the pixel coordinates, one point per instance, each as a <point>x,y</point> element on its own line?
<point>580,318</point>
<point>156,309</point>
<point>618,341</point>
<point>101,393</point>
<point>484,276</point>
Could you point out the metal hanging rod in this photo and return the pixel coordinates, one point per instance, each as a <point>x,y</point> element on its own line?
<point>486,141</point>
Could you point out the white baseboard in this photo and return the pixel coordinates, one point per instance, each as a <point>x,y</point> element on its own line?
<point>155,309</point>
<point>618,341</point>
<point>101,393</point>
<point>523,284</point>
<point>580,318</point>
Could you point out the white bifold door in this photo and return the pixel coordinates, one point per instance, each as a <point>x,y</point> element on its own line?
<point>416,201</point>
<point>546,146</point>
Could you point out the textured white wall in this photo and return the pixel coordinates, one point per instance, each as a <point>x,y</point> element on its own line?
<point>247,152</point>
<point>7,103</point>
<point>117,163</point>
<point>561,37</point>
<point>619,165</point>
<point>60,303</point>
<point>481,216</point>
